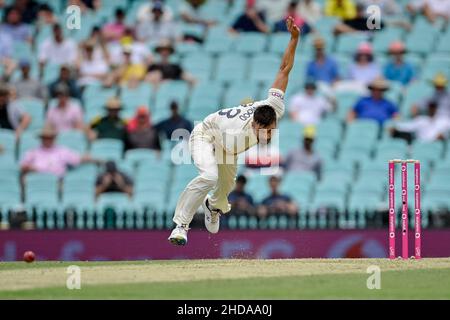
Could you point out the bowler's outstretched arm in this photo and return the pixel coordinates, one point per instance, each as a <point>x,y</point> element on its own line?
<point>281,80</point>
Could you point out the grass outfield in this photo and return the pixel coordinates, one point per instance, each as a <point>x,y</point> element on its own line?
<point>229,279</point>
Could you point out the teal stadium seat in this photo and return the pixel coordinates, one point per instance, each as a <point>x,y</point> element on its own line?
<point>278,42</point>
<point>28,141</point>
<point>428,152</point>
<point>250,42</point>
<point>73,139</point>
<point>239,91</point>
<point>348,43</point>
<point>363,129</point>
<point>264,67</point>
<point>199,64</point>
<point>107,149</point>
<point>35,108</point>
<point>231,67</point>
<point>382,39</point>
<point>139,96</point>
<point>8,143</point>
<point>345,101</point>
<point>136,157</point>
<point>95,97</point>
<point>171,91</point>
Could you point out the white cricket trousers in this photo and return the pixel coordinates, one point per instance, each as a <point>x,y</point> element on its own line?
<point>217,173</point>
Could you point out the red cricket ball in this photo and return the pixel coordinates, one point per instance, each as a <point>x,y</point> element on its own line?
<point>29,256</point>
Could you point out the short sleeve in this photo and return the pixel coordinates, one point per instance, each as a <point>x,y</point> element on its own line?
<point>27,159</point>
<point>276,100</point>
<point>70,157</point>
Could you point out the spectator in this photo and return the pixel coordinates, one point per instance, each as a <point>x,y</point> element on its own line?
<point>66,115</point>
<point>115,30</point>
<point>110,126</point>
<point>176,121</point>
<point>310,10</point>
<point>46,16</point>
<point>155,30</point>
<point>355,24</point>
<point>323,68</point>
<point>66,78</point>
<point>276,202</point>
<point>250,21</point>
<point>431,9</point>
<point>241,202</point>
<point>51,158</point>
<point>305,158</point>
<point>15,27</point>
<point>141,133</point>
<point>374,107</point>
<point>92,65</point>
<point>398,69</point>
<point>166,70</point>
<point>128,74</point>
<point>280,26</point>
<point>387,7</point>
<point>28,9</point>
<point>343,9</point>
<point>140,53</point>
<point>57,50</point>
<point>425,128</point>
<point>441,95</point>
<point>26,86</point>
<point>11,114</point>
<point>113,180</point>
<point>190,13</point>
<point>308,108</point>
<point>364,69</point>
<point>6,48</point>
<point>144,11</point>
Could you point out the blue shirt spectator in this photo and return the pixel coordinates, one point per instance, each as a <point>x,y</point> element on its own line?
<point>397,69</point>
<point>374,107</point>
<point>7,45</point>
<point>322,68</point>
<point>176,121</point>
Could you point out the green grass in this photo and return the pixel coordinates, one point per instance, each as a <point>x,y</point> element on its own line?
<point>315,279</point>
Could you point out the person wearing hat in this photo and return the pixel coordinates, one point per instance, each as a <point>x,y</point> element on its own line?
<point>129,73</point>
<point>12,116</point>
<point>304,158</point>
<point>441,95</point>
<point>26,86</point>
<point>364,69</point>
<point>398,69</point>
<point>375,106</point>
<point>323,68</point>
<point>144,12</point>
<point>50,157</point>
<point>111,125</point>
<point>66,114</point>
<point>140,131</point>
<point>276,203</point>
<point>165,69</point>
<point>308,108</point>
<point>92,64</point>
<point>156,29</point>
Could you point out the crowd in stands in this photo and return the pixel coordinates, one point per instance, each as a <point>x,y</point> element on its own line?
<point>122,74</point>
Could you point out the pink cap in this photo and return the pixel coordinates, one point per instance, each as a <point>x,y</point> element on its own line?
<point>397,46</point>
<point>365,48</point>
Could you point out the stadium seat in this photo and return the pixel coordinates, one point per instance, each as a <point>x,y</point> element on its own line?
<point>363,129</point>
<point>139,96</point>
<point>136,157</point>
<point>35,108</point>
<point>264,67</point>
<point>427,152</point>
<point>231,67</point>
<point>27,142</point>
<point>348,43</point>
<point>107,149</point>
<point>250,42</point>
<point>199,64</point>
<point>421,43</point>
<point>384,38</point>
<point>73,139</point>
<point>171,91</point>
<point>95,96</point>
<point>205,95</point>
<point>8,142</point>
<point>278,42</point>
<point>240,91</point>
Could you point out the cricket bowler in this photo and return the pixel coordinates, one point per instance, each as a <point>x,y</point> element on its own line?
<point>216,142</point>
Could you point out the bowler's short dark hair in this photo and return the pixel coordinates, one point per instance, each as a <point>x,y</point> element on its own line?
<point>265,115</point>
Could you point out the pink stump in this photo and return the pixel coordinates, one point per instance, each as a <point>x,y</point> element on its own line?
<point>404,210</point>
<point>417,212</point>
<point>391,210</point>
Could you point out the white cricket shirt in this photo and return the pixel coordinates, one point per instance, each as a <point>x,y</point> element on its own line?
<point>231,128</point>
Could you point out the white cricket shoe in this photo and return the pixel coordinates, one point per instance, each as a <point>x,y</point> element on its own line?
<point>178,236</point>
<point>212,217</point>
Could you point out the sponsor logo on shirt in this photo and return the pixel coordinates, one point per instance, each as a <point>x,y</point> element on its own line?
<point>278,95</point>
